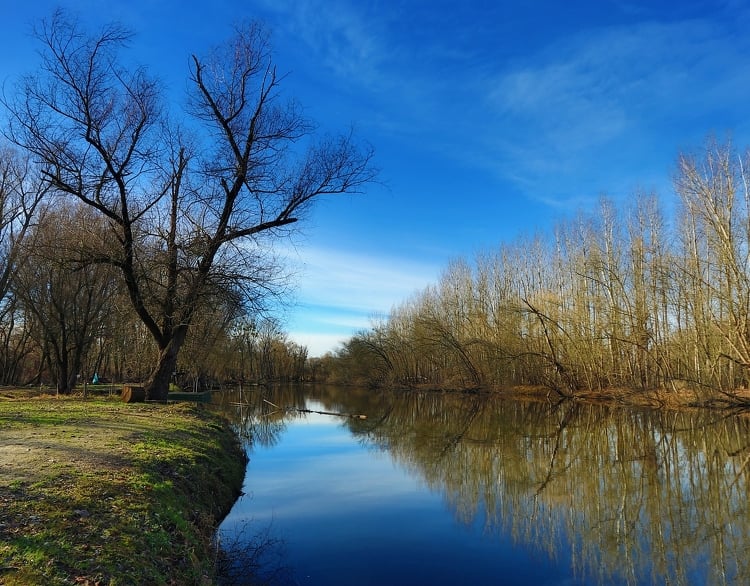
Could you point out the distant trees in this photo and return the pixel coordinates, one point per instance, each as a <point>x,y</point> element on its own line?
<point>243,350</point>
<point>21,190</point>
<point>612,299</point>
<point>190,207</point>
<point>67,318</point>
<point>67,303</point>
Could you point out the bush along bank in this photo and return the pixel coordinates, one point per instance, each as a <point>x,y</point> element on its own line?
<point>102,492</point>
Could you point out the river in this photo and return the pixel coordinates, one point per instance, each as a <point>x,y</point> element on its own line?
<point>452,488</point>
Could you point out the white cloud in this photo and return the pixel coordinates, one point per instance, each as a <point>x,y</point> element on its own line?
<point>339,292</point>
<point>339,34</point>
<point>358,282</point>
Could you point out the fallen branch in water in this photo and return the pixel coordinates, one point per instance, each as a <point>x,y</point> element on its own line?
<point>298,410</point>
<point>351,415</point>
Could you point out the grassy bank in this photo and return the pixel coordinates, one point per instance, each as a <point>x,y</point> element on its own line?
<point>102,492</point>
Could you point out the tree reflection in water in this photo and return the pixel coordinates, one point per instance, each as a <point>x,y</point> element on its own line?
<point>639,495</point>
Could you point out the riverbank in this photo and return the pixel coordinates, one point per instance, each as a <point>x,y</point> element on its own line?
<point>101,492</point>
<point>679,399</point>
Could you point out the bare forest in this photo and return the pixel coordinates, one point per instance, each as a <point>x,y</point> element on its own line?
<point>625,298</point>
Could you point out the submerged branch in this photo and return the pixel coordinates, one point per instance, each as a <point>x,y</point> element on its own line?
<point>334,413</point>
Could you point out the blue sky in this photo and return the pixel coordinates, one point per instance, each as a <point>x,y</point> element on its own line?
<point>490,120</point>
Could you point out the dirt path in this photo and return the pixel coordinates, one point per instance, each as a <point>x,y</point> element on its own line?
<point>33,444</point>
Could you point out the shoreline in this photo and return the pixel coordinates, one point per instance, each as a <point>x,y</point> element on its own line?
<point>674,400</point>
<point>97,491</point>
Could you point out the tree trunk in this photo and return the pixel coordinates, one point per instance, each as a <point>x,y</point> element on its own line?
<point>63,377</point>
<point>157,387</point>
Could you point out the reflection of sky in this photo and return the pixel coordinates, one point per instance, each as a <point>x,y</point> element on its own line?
<point>349,515</point>
<point>318,468</point>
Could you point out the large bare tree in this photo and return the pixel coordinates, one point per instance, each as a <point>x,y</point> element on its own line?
<point>190,206</point>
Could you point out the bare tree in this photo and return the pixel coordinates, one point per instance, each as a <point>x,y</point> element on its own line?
<point>192,207</point>
<point>716,199</point>
<point>21,190</point>
<point>68,304</point>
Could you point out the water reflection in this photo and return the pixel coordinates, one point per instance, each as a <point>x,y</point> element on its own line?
<point>619,495</point>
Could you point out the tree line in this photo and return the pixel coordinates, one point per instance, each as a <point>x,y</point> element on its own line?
<point>63,321</point>
<point>620,298</point>
<point>136,229</point>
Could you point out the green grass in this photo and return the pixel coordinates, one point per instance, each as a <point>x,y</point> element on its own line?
<point>108,493</point>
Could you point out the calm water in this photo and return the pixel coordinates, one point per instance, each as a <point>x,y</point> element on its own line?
<point>463,489</point>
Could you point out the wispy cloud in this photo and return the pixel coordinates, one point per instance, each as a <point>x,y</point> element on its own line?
<point>605,99</point>
<point>357,282</point>
<point>339,293</point>
<point>554,121</point>
<point>339,35</point>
